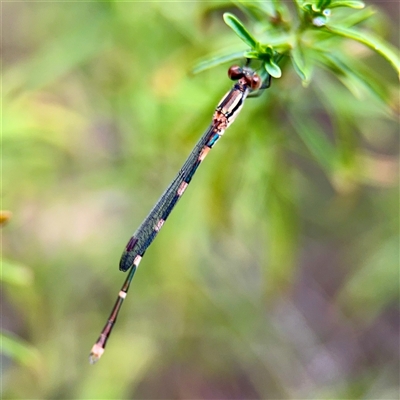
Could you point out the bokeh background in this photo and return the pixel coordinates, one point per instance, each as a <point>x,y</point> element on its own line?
<point>273,278</point>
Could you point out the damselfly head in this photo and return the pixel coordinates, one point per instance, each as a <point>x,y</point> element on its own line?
<point>255,81</point>
<point>250,77</point>
<point>235,72</point>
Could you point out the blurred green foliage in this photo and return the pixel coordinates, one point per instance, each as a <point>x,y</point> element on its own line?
<point>276,277</point>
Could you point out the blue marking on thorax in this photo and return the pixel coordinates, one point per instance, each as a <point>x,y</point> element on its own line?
<point>212,141</point>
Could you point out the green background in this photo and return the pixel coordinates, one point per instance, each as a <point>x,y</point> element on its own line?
<point>276,276</point>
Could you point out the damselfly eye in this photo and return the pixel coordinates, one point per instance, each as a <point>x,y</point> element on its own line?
<point>235,72</point>
<point>255,82</point>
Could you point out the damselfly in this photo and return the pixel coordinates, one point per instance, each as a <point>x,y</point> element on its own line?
<point>227,110</point>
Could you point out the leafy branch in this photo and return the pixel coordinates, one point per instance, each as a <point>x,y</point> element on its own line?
<point>304,36</point>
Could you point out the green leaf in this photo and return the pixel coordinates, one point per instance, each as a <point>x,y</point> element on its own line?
<point>273,69</point>
<point>266,12</point>
<point>384,49</point>
<point>299,63</point>
<point>353,75</point>
<point>347,3</point>
<point>257,11</point>
<point>252,54</point>
<point>240,30</point>
<point>217,60</point>
<point>306,6</point>
<point>322,4</point>
<point>357,18</point>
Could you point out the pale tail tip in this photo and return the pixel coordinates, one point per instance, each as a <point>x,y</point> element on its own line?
<point>96,353</point>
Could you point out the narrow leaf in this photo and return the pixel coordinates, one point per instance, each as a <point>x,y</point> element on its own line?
<point>357,18</point>
<point>347,3</point>
<point>273,69</point>
<point>234,23</point>
<point>354,76</point>
<point>299,63</point>
<point>252,54</point>
<point>322,4</point>
<point>384,49</point>
<point>218,59</point>
<point>257,10</point>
